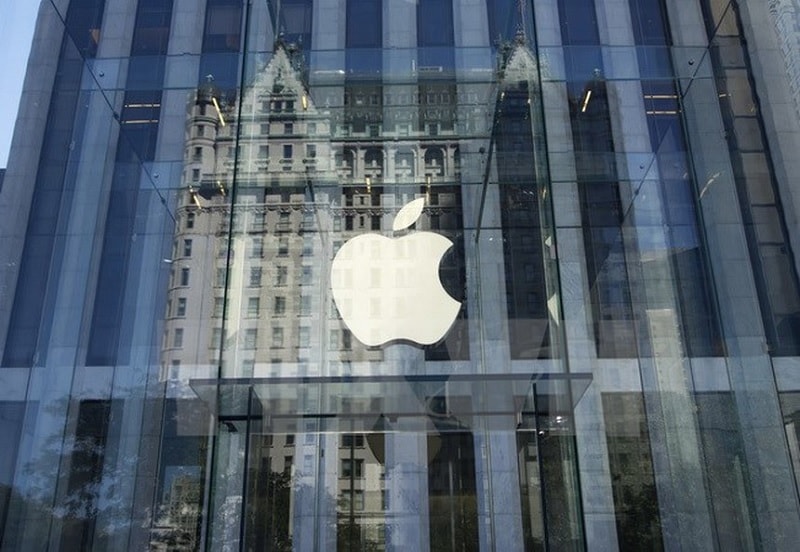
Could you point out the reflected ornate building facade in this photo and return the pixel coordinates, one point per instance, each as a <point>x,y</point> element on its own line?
<point>617,183</point>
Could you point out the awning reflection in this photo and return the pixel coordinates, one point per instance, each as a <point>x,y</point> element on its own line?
<point>392,403</point>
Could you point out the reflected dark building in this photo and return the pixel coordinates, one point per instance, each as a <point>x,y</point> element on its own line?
<point>615,185</point>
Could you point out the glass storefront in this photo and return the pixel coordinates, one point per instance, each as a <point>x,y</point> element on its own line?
<point>377,275</point>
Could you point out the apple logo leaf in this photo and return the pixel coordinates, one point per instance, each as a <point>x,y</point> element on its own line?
<point>408,215</point>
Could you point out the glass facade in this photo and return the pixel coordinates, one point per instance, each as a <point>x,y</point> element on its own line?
<point>436,275</point>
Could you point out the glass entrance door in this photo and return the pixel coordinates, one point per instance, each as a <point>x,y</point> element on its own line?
<point>269,504</point>
<point>390,465</point>
<point>356,505</point>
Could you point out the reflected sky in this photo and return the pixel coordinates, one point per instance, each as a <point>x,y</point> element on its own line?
<point>16,27</point>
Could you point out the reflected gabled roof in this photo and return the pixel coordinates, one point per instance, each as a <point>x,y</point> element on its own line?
<point>279,76</point>
<point>520,64</point>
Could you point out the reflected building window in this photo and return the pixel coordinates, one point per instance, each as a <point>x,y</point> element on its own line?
<point>305,305</point>
<point>283,247</point>
<point>277,338</point>
<point>177,339</point>
<point>256,248</point>
<point>279,306</point>
<point>352,440</point>
<point>352,468</point>
<point>252,307</point>
<point>250,337</point>
<point>255,276</point>
<point>304,339</point>
<point>281,275</point>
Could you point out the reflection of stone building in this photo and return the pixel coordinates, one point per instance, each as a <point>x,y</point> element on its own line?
<point>265,294</point>
<point>304,181</point>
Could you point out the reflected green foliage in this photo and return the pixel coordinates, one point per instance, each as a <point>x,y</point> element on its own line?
<point>638,519</point>
<point>455,526</point>
<point>269,520</point>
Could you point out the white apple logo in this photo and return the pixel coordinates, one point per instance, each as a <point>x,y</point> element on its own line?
<point>388,289</point>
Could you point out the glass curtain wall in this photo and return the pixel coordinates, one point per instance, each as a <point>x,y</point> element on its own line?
<point>384,275</point>
<point>323,146</point>
<point>79,340</point>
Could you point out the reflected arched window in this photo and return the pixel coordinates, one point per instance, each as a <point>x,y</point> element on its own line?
<point>345,163</point>
<point>373,163</point>
<point>434,162</point>
<point>404,164</point>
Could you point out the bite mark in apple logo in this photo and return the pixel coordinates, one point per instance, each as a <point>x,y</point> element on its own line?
<point>388,289</point>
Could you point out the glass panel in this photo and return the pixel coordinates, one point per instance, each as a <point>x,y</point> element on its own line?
<point>530,484</point>
<point>433,275</point>
<point>11,415</point>
<point>631,467</point>
<point>362,493</point>
<point>82,20</point>
<point>762,212</point>
<point>451,492</point>
<point>790,408</point>
<point>725,460</point>
<point>182,475</point>
<point>269,498</point>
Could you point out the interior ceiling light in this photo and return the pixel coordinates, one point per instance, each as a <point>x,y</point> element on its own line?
<point>586,101</point>
<point>195,199</point>
<point>219,112</point>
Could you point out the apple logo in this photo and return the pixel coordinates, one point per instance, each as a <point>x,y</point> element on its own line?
<point>388,289</point>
